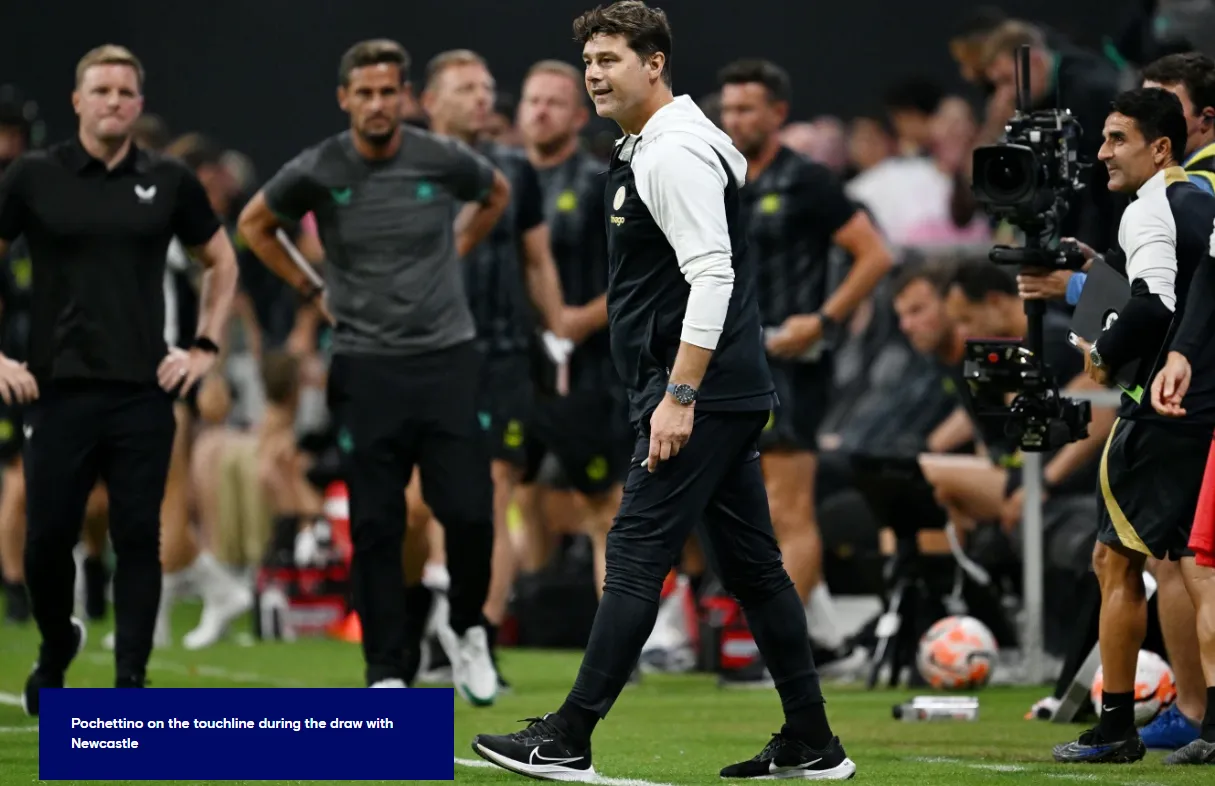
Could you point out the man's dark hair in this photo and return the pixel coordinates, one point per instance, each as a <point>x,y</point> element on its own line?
<point>1193,69</point>
<point>1157,113</point>
<point>917,95</point>
<point>764,72</point>
<point>937,273</point>
<point>377,51</point>
<point>978,23</point>
<point>151,132</point>
<point>196,151</point>
<point>978,278</point>
<point>645,29</point>
<point>280,376</point>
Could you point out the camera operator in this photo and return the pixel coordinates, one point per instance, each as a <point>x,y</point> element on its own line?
<point>1151,471</point>
<point>1190,77</point>
<point>1058,79</point>
<point>982,300</point>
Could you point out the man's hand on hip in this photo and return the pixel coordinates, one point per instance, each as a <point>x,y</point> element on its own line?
<point>17,384</point>
<point>181,370</point>
<point>670,429</point>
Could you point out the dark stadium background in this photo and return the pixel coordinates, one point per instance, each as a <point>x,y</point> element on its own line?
<point>260,75</point>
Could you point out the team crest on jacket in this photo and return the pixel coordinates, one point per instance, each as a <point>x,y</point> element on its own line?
<point>618,200</point>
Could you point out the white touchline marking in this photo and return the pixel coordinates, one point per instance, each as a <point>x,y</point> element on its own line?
<point>597,779</point>
<point>11,699</point>
<point>214,672</point>
<point>18,729</point>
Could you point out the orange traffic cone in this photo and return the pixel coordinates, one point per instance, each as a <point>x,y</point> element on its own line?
<point>349,629</point>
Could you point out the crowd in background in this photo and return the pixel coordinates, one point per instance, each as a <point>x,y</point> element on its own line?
<point>262,449</point>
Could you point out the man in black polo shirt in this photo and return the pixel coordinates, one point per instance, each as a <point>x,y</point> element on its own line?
<point>796,212</point>
<point>99,214</point>
<point>686,339</point>
<point>403,381</point>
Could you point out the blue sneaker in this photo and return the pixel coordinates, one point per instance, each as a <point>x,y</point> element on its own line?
<point>1170,730</point>
<point>1092,748</point>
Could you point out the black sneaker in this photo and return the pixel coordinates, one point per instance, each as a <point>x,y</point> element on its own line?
<point>1197,752</point>
<point>16,604</point>
<point>543,750</point>
<point>39,679</point>
<point>785,757</point>
<point>1094,749</point>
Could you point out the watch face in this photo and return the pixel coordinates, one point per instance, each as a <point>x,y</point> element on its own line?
<point>685,394</point>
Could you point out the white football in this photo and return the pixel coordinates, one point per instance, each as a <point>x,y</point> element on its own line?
<point>1155,687</point>
<point>957,653</point>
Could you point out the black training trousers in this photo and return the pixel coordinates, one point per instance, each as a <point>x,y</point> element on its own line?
<point>76,434</point>
<point>395,412</point>
<point>716,478</point>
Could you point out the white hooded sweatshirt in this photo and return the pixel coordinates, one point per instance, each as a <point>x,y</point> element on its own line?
<point>682,182</point>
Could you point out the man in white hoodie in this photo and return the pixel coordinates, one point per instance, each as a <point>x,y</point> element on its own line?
<point>687,343</point>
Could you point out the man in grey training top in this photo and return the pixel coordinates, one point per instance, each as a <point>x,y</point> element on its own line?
<point>403,382</point>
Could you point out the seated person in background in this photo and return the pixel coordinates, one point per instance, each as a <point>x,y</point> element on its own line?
<point>982,299</point>
<point>250,486</point>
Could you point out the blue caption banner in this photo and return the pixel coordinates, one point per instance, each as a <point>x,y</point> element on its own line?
<point>205,734</point>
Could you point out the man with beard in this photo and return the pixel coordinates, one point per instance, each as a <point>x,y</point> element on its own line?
<point>402,384</point>
<point>508,279</point>
<point>796,212</point>
<point>588,428</point>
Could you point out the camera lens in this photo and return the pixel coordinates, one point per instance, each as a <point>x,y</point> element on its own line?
<point>1006,174</point>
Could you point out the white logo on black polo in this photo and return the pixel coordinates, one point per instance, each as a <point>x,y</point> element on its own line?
<point>619,198</point>
<point>146,195</point>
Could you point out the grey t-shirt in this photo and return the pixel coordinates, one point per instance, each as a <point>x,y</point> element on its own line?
<point>395,283</point>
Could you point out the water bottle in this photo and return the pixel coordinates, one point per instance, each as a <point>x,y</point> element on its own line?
<point>938,708</point>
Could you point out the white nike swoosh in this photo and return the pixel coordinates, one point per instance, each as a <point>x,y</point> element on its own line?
<point>1107,709</point>
<point>535,754</point>
<point>773,768</point>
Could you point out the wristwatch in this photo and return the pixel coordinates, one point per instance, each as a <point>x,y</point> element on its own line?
<point>684,394</point>
<point>831,329</point>
<point>1095,356</point>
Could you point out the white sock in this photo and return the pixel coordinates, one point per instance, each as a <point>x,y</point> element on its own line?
<point>822,619</point>
<point>212,576</point>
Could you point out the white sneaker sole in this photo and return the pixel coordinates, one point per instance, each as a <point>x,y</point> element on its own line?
<point>845,770</point>
<point>544,772</point>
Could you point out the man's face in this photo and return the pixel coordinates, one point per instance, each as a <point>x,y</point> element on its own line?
<point>1196,121</point>
<point>374,98</point>
<point>462,99</point>
<point>922,318</point>
<point>108,101</point>
<point>1130,159</point>
<point>617,79</point>
<point>1002,74</point>
<point>984,319</point>
<point>750,116</point>
<point>551,110</point>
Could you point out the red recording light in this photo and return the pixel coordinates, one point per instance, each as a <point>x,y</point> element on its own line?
<point>993,357</point>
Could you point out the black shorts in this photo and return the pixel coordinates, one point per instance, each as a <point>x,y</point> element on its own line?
<point>803,390</point>
<point>505,403</point>
<point>11,435</point>
<point>589,434</point>
<point>1150,479</point>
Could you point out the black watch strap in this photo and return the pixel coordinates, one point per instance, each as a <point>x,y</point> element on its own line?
<point>206,345</point>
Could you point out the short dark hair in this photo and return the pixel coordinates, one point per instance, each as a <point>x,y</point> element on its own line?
<point>1157,113</point>
<point>1193,69</point>
<point>937,273</point>
<point>917,94</point>
<point>280,376</point>
<point>750,71</point>
<point>645,29</point>
<point>377,51</point>
<point>196,150</point>
<point>978,23</point>
<point>978,278</point>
